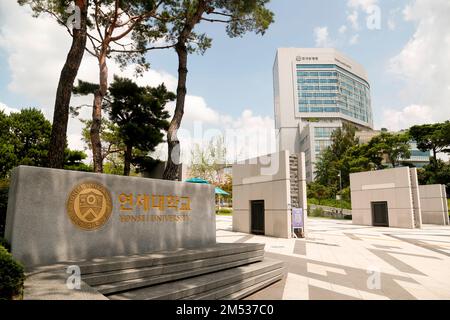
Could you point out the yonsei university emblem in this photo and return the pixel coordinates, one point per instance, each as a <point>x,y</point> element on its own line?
<point>89,205</point>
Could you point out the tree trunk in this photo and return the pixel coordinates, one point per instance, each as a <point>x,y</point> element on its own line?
<point>67,77</point>
<point>435,165</point>
<point>127,162</point>
<point>173,160</point>
<point>172,168</point>
<point>97,114</point>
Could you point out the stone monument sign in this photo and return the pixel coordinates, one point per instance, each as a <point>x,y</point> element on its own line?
<point>58,215</point>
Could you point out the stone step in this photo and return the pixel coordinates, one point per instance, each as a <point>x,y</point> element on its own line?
<point>259,281</point>
<point>97,279</point>
<point>196,285</point>
<point>111,288</point>
<point>164,257</point>
<point>252,289</point>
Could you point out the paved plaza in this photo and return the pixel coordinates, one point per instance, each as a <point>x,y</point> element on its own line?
<point>339,260</point>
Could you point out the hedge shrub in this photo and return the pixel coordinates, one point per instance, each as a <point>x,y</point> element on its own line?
<point>224,211</point>
<point>5,244</point>
<point>331,203</point>
<point>11,276</point>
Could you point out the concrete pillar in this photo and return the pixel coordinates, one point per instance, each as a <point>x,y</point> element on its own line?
<point>302,189</point>
<point>415,198</point>
<point>445,204</point>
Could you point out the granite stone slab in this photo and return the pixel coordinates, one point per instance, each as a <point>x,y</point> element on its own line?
<point>42,231</point>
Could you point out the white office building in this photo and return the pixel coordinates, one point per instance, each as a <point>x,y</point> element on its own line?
<point>315,91</point>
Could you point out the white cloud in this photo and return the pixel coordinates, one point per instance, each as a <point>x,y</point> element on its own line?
<point>354,39</point>
<point>6,109</point>
<point>246,136</point>
<point>353,19</point>
<point>392,25</point>
<point>393,18</point>
<point>322,38</point>
<point>423,63</point>
<point>343,29</point>
<point>396,120</point>
<point>36,50</point>
<point>364,5</point>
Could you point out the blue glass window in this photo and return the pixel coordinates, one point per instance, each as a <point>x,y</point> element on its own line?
<point>323,132</point>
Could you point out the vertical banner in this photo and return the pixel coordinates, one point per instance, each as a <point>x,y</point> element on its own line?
<point>297,222</point>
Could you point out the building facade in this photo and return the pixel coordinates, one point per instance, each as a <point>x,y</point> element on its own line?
<point>315,92</point>
<point>386,198</point>
<point>265,190</point>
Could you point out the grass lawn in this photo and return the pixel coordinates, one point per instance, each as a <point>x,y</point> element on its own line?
<point>224,214</point>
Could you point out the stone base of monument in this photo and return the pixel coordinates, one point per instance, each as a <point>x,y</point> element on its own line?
<point>221,271</point>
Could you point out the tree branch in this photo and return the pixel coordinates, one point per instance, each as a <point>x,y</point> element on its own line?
<point>216,20</point>
<point>221,13</point>
<point>143,50</point>
<point>96,20</point>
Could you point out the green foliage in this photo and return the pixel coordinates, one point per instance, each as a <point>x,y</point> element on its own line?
<point>319,192</point>
<point>346,156</point>
<point>437,172</point>
<point>139,112</point>
<point>140,115</point>
<point>30,136</point>
<point>74,161</point>
<point>344,204</point>
<point>11,275</point>
<point>434,137</point>
<point>346,194</point>
<point>7,156</point>
<point>137,120</point>
<point>316,212</point>
<point>5,244</point>
<point>84,88</point>
<point>143,162</point>
<point>25,138</point>
<point>226,185</point>
<point>336,160</point>
<point>238,16</point>
<point>208,161</point>
<point>4,189</point>
<point>110,136</point>
<point>394,145</point>
<point>113,167</point>
<point>224,211</point>
<point>245,16</point>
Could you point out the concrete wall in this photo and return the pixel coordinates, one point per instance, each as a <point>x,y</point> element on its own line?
<point>396,186</point>
<point>41,230</point>
<point>433,201</point>
<point>264,178</point>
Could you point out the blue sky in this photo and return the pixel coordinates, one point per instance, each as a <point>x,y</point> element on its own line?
<point>236,73</point>
<point>233,81</point>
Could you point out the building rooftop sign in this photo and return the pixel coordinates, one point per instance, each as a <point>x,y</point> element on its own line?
<point>299,58</point>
